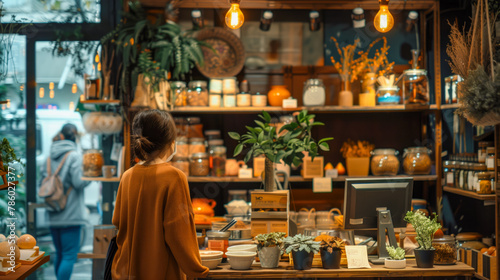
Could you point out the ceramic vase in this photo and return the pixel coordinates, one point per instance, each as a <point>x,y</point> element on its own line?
<point>277,94</point>
<point>269,257</point>
<point>345,95</point>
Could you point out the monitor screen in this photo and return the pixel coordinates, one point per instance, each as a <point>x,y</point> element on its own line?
<point>363,197</point>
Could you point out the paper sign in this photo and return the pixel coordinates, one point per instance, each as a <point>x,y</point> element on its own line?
<point>332,173</point>
<point>322,185</point>
<point>115,151</point>
<point>289,103</point>
<point>357,256</point>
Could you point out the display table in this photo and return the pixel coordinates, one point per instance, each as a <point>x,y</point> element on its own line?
<point>286,271</point>
<point>25,270</point>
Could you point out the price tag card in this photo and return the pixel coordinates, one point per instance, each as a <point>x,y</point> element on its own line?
<point>357,256</point>
<point>322,185</point>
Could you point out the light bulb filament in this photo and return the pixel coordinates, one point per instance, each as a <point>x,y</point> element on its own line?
<point>234,18</point>
<point>383,21</point>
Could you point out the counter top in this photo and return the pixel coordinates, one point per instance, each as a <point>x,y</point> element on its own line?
<point>285,271</point>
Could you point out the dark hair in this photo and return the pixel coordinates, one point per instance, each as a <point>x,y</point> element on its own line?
<point>69,132</point>
<point>153,130</point>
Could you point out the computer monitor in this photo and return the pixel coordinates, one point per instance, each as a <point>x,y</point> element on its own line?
<point>369,203</point>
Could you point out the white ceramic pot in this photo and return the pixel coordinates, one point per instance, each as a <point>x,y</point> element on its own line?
<point>252,248</point>
<point>240,259</point>
<point>269,257</point>
<point>395,264</point>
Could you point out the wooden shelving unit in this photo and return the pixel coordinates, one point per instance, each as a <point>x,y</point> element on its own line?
<point>101,179</point>
<point>101,102</point>
<point>296,179</point>
<point>469,193</point>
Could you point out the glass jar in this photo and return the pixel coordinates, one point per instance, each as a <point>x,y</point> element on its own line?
<point>388,95</point>
<point>182,146</point>
<point>384,162</point>
<point>481,151</point>
<point>470,177</point>
<point>197,145</point>
<point>417,161</point>
<point>259,100</point>
<point>182,163</point>
<point>416,86</point>
<point>462,177</point>
<point>490,158</point>
<point>212,134</point>
<point>314,93</point>
<point>215,86</point>
<point>92,163</point>
<point>243,99</point>
<point>445,250</point>
<point>194,128</point>
<point>181,126</point>
<point>237,195</point>
<point>478,167</point>
<point>199,164</point>
<point>485,186</point>
<point>179,94</point>
<point>218,161</point>
<point>215,100</point>
<point>218,241</point>
<point>458,165</point>
<point>449,170</point>
<point>197,94</point>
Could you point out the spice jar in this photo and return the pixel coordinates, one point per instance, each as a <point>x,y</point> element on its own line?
<point>314,93</point>
<point>417,161</point>
<point>462,175</point>
<point>243,99</point>
<point>470,176</point>
<point>212,134</point>
<point>196,145</point>
<point>416,86</point>
<point>490,158</point>
<point>449,170</point>
<point>388,95</point>
<point>182,163</point>
<point>179,94</point>
<point>199,165</point>
<point>218,241</point>
<point>484,183</point>
<point>182,146</point>
<point>259,100</point>
<point>92,163</point>
<point>194,127</point>
<point>218,160</point>
<point>181,126</point>
<point>197,94</point>
<point>445,250</point>
<point>478,167</point>
<point>384,162</point>
<point>481,152</point>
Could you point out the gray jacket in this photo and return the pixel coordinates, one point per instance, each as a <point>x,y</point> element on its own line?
<point>71,173</point>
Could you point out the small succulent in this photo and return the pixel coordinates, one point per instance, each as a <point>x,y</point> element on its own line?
<point>396,253</point>
<point>330,243</point>
<point>424,226</point>
<point>301,242</point>
<point>271,239</point>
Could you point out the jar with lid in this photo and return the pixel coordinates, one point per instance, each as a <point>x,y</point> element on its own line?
<point>218,160</point>
<point>199,165</point>
<point>388,95</point>
<point>182,146</point>
<point>215,93</point>
<point>211,145</point>
<point>384,162</point>
<point>458,166</point>
<point>445,250</point>
<point>229,92</point>
<point>243,99</point>
<point>196,145</point>
<point>92,163</point>
<point>417,161</point>
<point>181,126</point>
<point>197,94</point>
<point>182,163</point>
<point>259,100</point>
<point>485,186</point>
<point>194,128</point>
<point>449,171</point>
<point>465,237</point>
<point>416,86</point>
<point>470,177</point>
<point>212,134</point>
<point>237,195</point>
<point>490,158</point>
<point>478,167</point>
<point>218,241</point>
<point>179,93</point>
<point>314,93</point>
<point>481,152</point>
<point>462,180</point>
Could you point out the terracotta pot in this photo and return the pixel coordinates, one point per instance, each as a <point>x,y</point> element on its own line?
<point>277,94</point>
<point>204,206</point>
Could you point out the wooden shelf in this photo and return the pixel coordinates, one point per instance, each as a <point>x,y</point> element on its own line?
<point>4,101</point>
<point>449,106</point>
<point>101,179</point>
<point>469,193</point>
<point>101,102</point>
<point>25,270</point>
<point>297,179</point>
<point>91,256</point>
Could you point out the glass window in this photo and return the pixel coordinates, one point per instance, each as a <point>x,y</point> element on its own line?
<point>39,11</point>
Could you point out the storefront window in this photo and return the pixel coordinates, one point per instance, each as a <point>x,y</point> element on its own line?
<point>40,11</point>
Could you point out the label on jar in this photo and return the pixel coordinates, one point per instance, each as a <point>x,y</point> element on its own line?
<point>449,179</point>
<point>490,163</point>
<point>470,183</point>
<point>215,100</point>
<point>481,156</point>
<point>461,179</point>
<point>230,100</point>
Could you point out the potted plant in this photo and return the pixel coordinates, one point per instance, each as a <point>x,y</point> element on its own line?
<point>287,145</point>
<point>303,249</point>
<point>330,250</point>
<point>397,257</point>
<point>357,156</point>
<point>7,157</point>
<point>269,247</point>
<point>425,228</point>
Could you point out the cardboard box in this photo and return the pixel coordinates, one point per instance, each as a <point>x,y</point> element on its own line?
<point>262,200</point>
<point>269,212</point>
<point>313,168</point>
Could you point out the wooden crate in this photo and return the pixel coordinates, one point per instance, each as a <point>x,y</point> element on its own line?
<point>269,212</point>
<point>484,265</point>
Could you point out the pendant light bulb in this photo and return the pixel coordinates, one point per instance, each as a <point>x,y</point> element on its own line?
<point>234,17</point>
<point>383,21</point>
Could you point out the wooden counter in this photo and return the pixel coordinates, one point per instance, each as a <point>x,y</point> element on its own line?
<point>286,271</point>
<point>25,270</point>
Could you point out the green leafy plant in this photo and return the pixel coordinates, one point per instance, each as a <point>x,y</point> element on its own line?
<point>153,75</point>
<point>396,253</point>
<point>301,242</point>
<point>330,243</point>
<point>7,155</point>
<point>272,239</point>
<point>424,226</point>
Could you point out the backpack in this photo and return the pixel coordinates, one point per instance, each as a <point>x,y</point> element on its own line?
<point>52,188</point>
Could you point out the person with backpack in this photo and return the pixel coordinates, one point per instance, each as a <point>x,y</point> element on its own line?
<point>62,189</point>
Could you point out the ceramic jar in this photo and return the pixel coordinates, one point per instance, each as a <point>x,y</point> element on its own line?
<point>417,161</point>
<point>277,94</point>
<point>384,162</point>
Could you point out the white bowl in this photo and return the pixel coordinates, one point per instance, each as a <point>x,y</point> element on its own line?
<point>210,255</point>
<point>252,248</point>
<point>237,209</point>
<point>211,264</point>
<point>240,259</point>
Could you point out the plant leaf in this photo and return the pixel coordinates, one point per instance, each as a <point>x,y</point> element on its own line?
<point>234,135</point>
<point>238,149</point>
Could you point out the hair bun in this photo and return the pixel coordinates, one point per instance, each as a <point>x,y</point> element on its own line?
<point>142,146</point>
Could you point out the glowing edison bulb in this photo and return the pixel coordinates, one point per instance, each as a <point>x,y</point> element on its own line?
<point>51,93</point>
<point>41,92</point>
<point>234,17</point>
<point>383,20</point>
<point>74,88</point>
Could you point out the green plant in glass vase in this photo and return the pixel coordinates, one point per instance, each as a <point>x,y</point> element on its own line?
<point>287,145</point>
